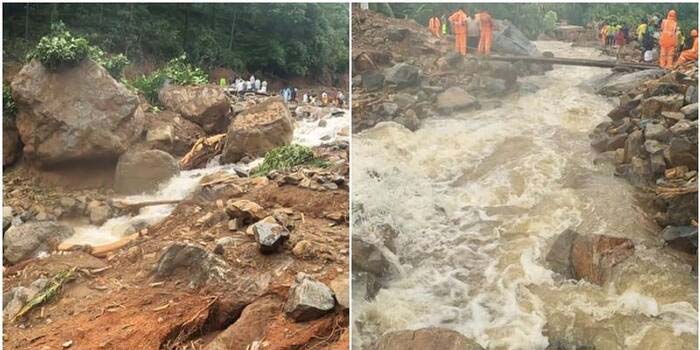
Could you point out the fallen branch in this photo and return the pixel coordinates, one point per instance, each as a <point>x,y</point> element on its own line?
<point>135,206</point>
<point>203,150</point>
<point>670,192</point>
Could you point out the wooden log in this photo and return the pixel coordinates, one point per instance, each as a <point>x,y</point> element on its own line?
<point>203,150</point>
<point>573,62</point>
<point>134,206</point>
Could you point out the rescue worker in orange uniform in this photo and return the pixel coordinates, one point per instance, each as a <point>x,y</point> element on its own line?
<point>691,54</point>
<point>486,28</point>
<point>459,27</point>
<point>667,40</point>
<point>434,26</point>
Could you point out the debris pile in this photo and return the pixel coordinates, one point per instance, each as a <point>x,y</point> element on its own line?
<point>652,137</point>
<point>404,74</point>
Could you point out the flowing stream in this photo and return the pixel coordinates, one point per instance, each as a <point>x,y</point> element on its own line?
<point>306,132</point>
<point>478,198</point>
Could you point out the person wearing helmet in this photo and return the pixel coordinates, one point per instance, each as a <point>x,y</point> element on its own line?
<point>691,54</point>
<point>667,40</point>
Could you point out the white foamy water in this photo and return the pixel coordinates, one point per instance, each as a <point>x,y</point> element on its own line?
<point>478,198</point>
<point>180,187</point>
<point>307,132</point>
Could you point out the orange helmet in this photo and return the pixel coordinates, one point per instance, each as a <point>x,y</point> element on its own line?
<point>671,14</point>
<point>694,33</point>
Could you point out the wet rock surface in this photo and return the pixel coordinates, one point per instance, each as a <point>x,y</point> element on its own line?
<point>660,151</point>
<point>427,339</point>
<point>143,171</point>
<point>29,239</point>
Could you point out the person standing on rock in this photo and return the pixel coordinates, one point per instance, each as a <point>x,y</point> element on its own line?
<point>691,54</point>
<point>486,29</point>
<point>667,40</point>
<point>459,26</point>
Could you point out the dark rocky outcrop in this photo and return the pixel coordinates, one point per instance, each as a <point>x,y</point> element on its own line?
<point>205,105</point>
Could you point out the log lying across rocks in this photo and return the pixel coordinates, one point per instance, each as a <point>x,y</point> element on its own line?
<point>574,62</point>
<point>203,150</point>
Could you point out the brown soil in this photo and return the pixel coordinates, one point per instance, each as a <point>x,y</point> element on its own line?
<point>122,307</point>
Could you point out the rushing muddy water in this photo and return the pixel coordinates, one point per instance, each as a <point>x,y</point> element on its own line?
<point>306,132</point>
<point>479,197</point>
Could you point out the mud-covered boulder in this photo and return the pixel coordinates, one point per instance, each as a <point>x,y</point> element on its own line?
<point>432,338</point>
<point>245,211</point>
<point>619,84</point>
<point>455,99</point>
<point>205,105</point>
<point>258,130</point>
<point>191,261</point>
<point>29,239</point>
<point>169,132</point>
<point>402,74</point>
<point>308,299</point>
<point>248,328</point>
<point>144,171</point>
<point>11,145</point>
<point>74,114</point>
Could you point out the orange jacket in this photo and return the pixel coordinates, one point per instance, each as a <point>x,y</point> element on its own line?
<point>669,26</point>
<point>459,22</point>
<point>485,22</point>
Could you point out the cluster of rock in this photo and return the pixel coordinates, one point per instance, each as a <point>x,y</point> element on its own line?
<point>652,137</point>
<point>417,76</point>
<point>81,115</point>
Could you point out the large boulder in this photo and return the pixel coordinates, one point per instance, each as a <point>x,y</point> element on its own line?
<point>620,84</point>
<point>27,240</point>
<point>508,39</point>
<point>258,130</point>
<point>427,339</point>
<point>653,106</point>
<point>74,114</point>
<point>588,257</point>
<point>402,74</point>
<point>308,299</point>
<point>169,132</point>
<point>144,171</point>
<point>11,145</point>
<point>248,328</point>
<point>454,99</point>
<point>205,105</point>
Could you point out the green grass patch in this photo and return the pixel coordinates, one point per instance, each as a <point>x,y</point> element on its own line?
<point>287,157</point>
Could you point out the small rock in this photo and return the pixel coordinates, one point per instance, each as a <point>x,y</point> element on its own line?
<point>133,254</point>
<point>426,339</point>
<point>225,241</point>
<point>198,265</point>
<point>303,249</point>
<point>67,344</point>
<point>270,237</point>
<point>99,214</point>
<point>339,285</point>
<point>67,202</point>
<point>244,210</point>
<point>308,299</point>
<point>658,132</point>
<point>690,111</point>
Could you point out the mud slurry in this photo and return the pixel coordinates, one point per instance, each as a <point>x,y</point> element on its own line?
<point>116,303</point>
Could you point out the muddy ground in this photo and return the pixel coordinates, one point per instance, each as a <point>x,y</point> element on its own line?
<point>117,303</point>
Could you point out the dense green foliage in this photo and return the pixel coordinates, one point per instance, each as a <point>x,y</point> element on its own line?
<point>60,48</point>
<point>177,71</point>
<point>9,109</point>
<point>283,39</point>
<point>287,157</point>
<point>529,17</point>
<point>114,64</point>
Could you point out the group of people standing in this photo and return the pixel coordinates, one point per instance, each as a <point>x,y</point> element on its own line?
<point>335,98</point>
<point>240,86</point>
<point>470,31</point>
<point>656,37</point>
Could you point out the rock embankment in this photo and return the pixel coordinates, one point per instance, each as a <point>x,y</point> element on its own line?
<point>404,74</point>
<point>652,137</point>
